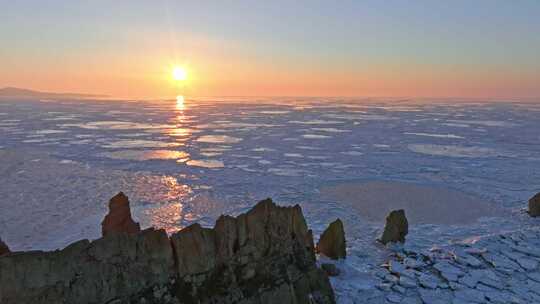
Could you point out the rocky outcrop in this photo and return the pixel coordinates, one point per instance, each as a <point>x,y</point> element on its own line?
<point>396,227</point>
<point>534,205</point>
<point>263,256</point>
<point>332,241</point>
<point>119,218</point>
<point>117,266</point>
<point>3,248</point>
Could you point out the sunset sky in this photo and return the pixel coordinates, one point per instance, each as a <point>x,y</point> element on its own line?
<point>284,48</point>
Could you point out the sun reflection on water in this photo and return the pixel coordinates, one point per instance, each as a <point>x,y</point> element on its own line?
<point>169,212</point>
<point>180,103</point>
<point>180,132</point>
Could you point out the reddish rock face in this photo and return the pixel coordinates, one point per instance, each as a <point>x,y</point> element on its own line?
<point>3,248</point>
<point>119,218</point>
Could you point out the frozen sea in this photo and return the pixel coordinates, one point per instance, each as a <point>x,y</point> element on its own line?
<point>462,169</point>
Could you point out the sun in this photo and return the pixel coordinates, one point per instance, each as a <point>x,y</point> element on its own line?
<point>179,73</point>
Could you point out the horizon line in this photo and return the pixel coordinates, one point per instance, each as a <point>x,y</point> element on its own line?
<point>88,96</point>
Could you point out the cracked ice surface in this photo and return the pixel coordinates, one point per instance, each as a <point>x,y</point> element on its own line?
<point>60,162</point>
<point>493,269</point>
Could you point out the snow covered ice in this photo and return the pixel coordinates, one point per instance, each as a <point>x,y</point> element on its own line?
<point>183,163</point>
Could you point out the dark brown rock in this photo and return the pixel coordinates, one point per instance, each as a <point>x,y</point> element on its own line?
<point>332,242</point>
<point>534,205</point>
<point>3,248</point>
<point>115,267</point>
<point>396,227</point>
<point>330,269</point>
<point>119,218</point>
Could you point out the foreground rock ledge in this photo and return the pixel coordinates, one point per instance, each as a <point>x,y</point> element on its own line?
<point>263,256</point>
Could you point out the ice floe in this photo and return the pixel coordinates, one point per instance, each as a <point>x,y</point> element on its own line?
<point>454,151</point>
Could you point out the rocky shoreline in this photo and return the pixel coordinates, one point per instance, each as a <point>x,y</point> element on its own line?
<point>266,255</point>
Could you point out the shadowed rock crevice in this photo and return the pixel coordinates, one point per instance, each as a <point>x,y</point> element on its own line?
<point>3,248</point>
<point>263,256</point>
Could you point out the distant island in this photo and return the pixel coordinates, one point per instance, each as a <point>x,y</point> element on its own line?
<point>20,93</point>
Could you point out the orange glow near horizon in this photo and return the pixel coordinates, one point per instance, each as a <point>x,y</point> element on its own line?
<point>256,79</point>
<point>144,50</point>
<point>155,71</point>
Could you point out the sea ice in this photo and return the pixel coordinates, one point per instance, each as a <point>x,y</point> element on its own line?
<point>463,172</point>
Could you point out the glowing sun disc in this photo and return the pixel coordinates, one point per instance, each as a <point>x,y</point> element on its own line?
<point>179,74</point>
